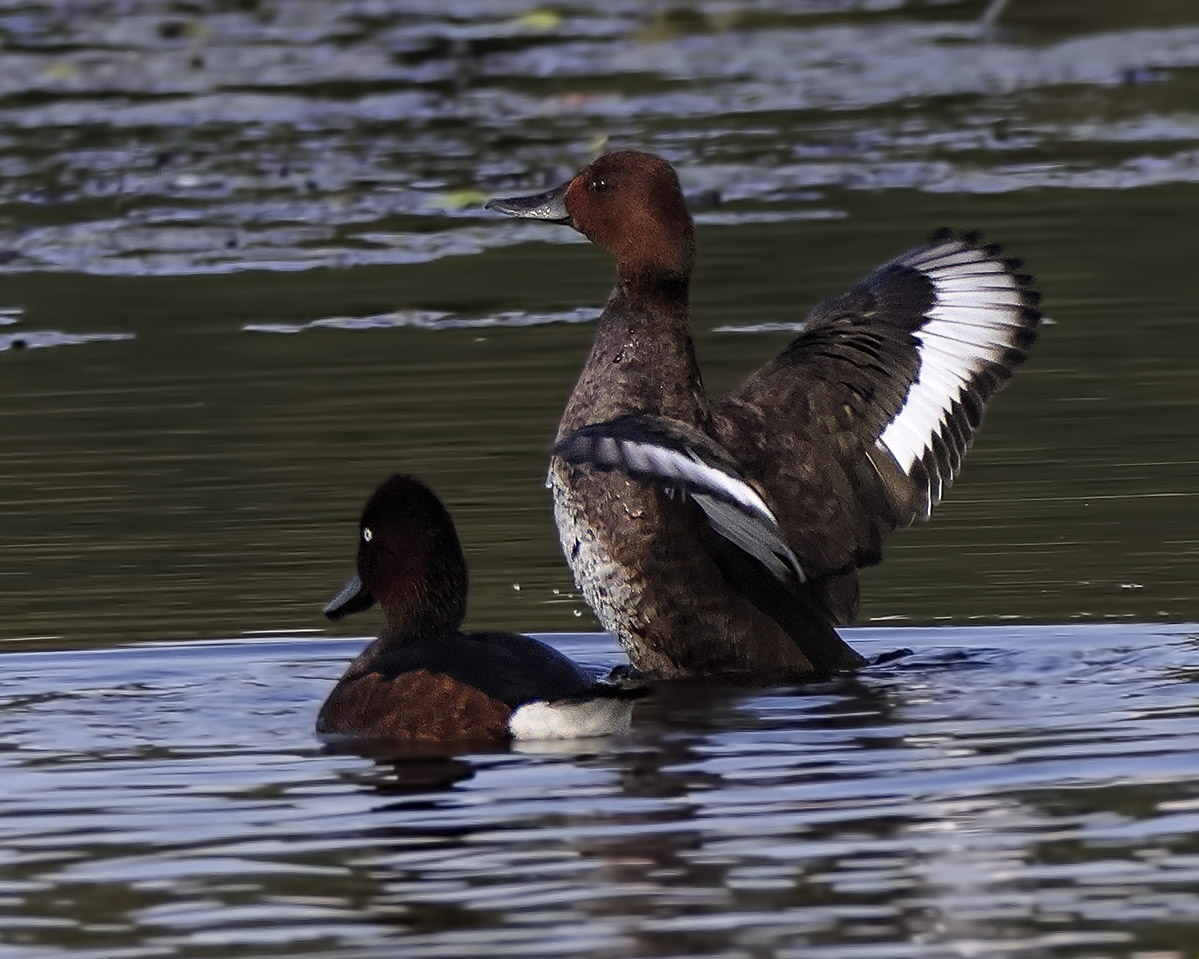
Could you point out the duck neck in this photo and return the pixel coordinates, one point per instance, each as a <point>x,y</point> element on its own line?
<point>669,290</point>
<point>643,358</point>
<point>411,629</point>
<point>428,606</point>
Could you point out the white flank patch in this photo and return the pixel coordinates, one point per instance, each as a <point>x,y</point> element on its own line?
<point>975,319</point>
<point>684,468</point>
<point>602,716</point>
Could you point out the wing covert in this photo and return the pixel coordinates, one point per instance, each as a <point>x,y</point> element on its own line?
<point>861,423</point>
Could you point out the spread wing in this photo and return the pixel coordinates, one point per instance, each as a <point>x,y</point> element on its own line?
<point>860,424</point>
<point>734,524</point>
<point>677,457</point>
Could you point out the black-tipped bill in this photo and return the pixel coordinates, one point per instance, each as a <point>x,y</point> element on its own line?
<point>354,597</point>
<point>549,206</point>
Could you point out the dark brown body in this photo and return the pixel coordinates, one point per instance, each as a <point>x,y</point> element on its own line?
<point>424,679</point>
<point>457,687</point>
<point>636,553</point>
<point>369,705</point>
<point>854,430</point>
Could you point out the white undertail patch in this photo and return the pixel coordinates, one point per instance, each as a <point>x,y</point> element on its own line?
<point>601,716</point>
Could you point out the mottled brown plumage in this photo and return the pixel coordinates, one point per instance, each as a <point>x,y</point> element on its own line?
<point>852,431</point>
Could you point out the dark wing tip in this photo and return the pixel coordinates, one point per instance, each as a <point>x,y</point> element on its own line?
<point>1026,336</point>
<point>576,447</point>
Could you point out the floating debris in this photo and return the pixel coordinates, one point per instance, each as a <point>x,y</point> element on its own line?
<point>455,200</point>
<point>540,20</point>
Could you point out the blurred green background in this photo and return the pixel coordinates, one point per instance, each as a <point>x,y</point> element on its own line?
<point>245,275</point>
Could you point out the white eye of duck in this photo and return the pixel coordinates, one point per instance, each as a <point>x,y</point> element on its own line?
<point>367,535</point>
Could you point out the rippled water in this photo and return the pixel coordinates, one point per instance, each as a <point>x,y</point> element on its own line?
<point>216,137</point>
<point>245,273</point>
<point>1003,791</point>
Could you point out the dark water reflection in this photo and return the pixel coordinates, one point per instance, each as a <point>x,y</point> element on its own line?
<point>203,479</point>
<point>257,228</point>
<point>244,274</point>
<point>182,186</point>
<point>1007,791</point>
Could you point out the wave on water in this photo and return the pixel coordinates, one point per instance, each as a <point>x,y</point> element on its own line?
<point>431,320</point>
<point>41,339</point>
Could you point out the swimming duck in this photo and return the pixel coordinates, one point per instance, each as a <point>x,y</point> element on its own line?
<point>425,679</point>
<point>723,536</point>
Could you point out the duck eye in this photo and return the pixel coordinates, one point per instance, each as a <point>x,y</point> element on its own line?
<point>367,535</point>
<point>599,184</point>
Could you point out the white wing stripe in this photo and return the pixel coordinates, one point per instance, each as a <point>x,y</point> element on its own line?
<point>956,283</point>
<point>954,261</point>
<point>976,298</point>
<point>961,333</point>
<point>940,254</point>
<point>667,464</point>
<point>949,352</point>
<point>733,486</point>
<point>953,256</point>
<point>905,439</point>
<point>927,412</point>
<point>945,382</point>
<point>977,316</point>
<point>975,320</point>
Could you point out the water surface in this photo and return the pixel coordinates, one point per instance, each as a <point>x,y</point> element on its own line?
<point>1004,791</point>
<point>245,274</point>
<point>252,236</point>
